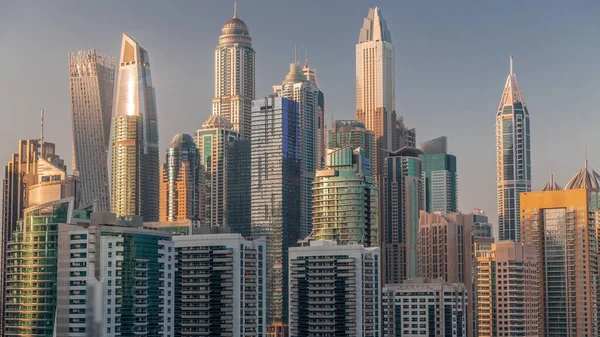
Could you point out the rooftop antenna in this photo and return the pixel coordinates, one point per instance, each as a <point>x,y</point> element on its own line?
<point>235,8</point>
<point>586,158</point>
<point>42,133</point>
<point>512,57</point>
<point>306,58</point>
<point>295,54</point>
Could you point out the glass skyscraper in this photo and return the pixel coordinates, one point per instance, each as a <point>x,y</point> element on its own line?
<point>296,86</point>
<point>402,199</point>
<point>275,191</point>
<point>440,179</point>
<point>181,176</point>
<point>239,206</point>
<point>92,78</point>
<point>135,160</point>
<point>30,297</point>
<point>311,75</point>
<point>353,133</point>
<point>212,141</point>
<point>513,157</point>
<point>346,200</point>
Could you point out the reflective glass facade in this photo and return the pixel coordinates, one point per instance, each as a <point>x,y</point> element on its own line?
<point>135,160</point>
<point>513,158</point>
<point>275,190</point>
<point>353,133</point>
<point>239,207</point>
<point>346,200</point>
<point>440,182</point>
<point>31,270</point>
<point>402,199</point>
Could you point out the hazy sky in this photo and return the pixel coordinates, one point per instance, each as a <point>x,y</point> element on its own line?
<point>451,66</point>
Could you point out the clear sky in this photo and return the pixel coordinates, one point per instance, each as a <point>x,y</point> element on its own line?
<point>451,66</point>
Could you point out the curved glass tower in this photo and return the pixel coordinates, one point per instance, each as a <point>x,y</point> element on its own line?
<point>234,75</point>
<point>135,161</point>
<point>513,157</point>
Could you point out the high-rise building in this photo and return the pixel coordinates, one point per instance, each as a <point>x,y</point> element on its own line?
<point>135,161</point>
<point>424,307</point>
<point>20,173</point>
<point>507,290</point>
<point>92,78</point>
<point>311,75</point>
<point>376,84</point>
<point>446,250</point>
<point>560,224</point>
<point>211,141</point>
<point>297,87</point>
<point>440,179</point>
<point>30,295</point>
<point>275,189</point>
<point>219,285</point>
<point>346,282</point>
<point>513,157</point>
<point>235,76</point>
<point>239,182</point>
<point>402,199</point>
<point>403,135</point>
<point>353,133</point>
<point>181,178</point>
<point>346,200</point>
<point>114,279</point>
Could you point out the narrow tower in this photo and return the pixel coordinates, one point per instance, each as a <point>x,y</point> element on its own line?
<point>375,83</point>
<point>135,162</point>
<point>234,75</point>
<point>513,157</point>
<point>92,78</point>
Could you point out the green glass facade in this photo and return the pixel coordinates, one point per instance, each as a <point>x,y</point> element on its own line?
<point>345,199</point>
<point>31,269</point>
<point>353,133</point>
<point>440,182</point>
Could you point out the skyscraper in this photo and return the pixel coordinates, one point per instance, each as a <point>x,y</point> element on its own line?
<point>275,189</point>
<point>560,224</point>
<point>440,180</point>
<point>507,290</point>
<point>234,76</point>
<point>239,182</point>
<point>311,75</point>
<point>402,199</point>
<point>181,176</point>
<point>445,248</point>
<point>404,136</point>
<point>212,141</point>
<point>114,278</point>
<point>30,297</point>
<point>346,200</point>
<point>219,285</point>
<point>513,157</point>
<point>297,87</point>
<point>20,173</point>
<point>345,280</point>
<point>354,134</point>
<point>92,78</point>
<point>376,83</point>
<point>135,161</point>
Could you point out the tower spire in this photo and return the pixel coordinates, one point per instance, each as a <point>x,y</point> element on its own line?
<point>306,59</point>
<point>295,55</point>
<point>586,158</point>
<point>235,8</point>
<point>512,57</point>
<point>42,133</point>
